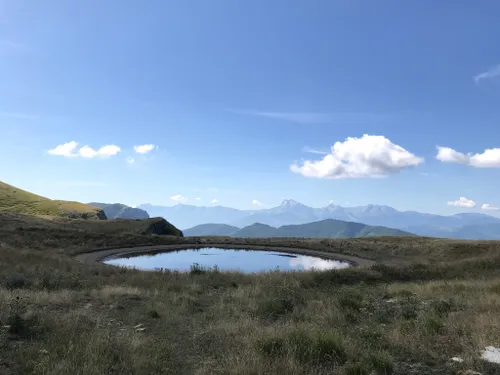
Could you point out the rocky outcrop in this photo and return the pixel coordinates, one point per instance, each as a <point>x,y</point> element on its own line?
<point>162,227</point>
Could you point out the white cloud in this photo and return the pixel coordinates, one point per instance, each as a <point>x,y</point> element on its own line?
<point>69,150</point>
<point>488,207</point>
<point>255,202</point>
<point>198,198</point>
<point>178,198</point>
<point>368,156</point>
<point>66,149</point>
<point>214,201</point>
<point>490,73</point>
<point>490,158</point>
<point>130,160</point>
<point>144,149</point>
<point>462,202</point>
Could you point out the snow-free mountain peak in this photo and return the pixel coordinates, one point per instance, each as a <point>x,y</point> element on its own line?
<point>290,203</point>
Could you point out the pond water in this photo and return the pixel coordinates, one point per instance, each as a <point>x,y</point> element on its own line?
<point>248,261</point>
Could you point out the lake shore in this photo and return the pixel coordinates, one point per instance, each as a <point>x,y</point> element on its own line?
<point>100,255</point>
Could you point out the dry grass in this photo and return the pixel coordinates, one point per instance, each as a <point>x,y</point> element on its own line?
<point>428,301</point>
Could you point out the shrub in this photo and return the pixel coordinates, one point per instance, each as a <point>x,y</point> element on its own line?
<point>197,269</point>
<point>154,314</point>
<point>442,307</point>
<point>17,325</point>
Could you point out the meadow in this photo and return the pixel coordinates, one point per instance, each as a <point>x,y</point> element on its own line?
<point>423,302</point>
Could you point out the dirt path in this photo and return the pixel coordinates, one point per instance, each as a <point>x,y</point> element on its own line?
<point>100,255</point>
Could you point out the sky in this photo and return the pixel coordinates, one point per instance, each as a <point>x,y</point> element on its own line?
<point>245,103</point>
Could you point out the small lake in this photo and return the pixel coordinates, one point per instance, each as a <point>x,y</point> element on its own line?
<point>247,261</point>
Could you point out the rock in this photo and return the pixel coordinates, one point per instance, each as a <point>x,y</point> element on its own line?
<point>457,359</point>
<point>140,329</point>
<point>491,354</point>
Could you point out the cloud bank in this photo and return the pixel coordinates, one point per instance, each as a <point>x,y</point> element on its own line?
<point>462,202</point>
<point>144,149</point>
<point>368,156</point>
<point>489,207</point>
<point>490,158</point>
<point>71,150</point>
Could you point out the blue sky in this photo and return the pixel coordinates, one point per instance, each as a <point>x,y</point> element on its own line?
<point>240,100</point>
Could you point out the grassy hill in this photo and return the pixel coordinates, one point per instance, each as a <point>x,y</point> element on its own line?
<point>18,201</point>
<point>120,211</point>
<point>211,230</point>
<point>329,228</point>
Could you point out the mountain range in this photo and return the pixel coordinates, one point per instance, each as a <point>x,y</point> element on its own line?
<point>328,228</point>
<point>290,212</point>
<point>120,211</point>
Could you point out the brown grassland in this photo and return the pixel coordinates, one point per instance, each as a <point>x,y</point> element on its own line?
<point>422,303</point>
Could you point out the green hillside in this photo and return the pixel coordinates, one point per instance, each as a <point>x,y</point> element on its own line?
<point>15,200</point>
<point>329,228</point>
<point>258,230</point>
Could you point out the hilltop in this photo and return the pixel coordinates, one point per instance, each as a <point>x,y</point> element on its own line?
<point>18,201</point>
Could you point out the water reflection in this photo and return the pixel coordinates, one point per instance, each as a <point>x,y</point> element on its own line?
<point>310,263</point>
<point>248,261</point>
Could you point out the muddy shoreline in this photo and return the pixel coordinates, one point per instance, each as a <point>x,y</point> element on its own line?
<point>101,255</point>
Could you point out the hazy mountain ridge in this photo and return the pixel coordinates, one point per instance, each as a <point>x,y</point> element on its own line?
<point>120,211</point>
<point>328,228</point>
<point>211,230</point>
<point>290,212</point>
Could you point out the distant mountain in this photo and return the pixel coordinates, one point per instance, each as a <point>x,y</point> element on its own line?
<point>258,230</point>
<point>187,216</point>
<point>291,212</point>
<point>485,231</point>
<point>211,230</point>
<point>328,228</point>
<point>120,211</point>
<point>18,201</point>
